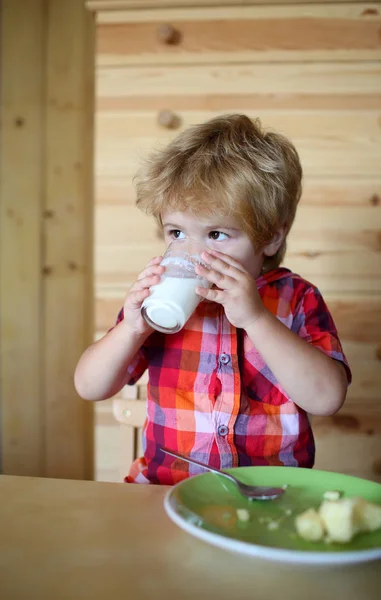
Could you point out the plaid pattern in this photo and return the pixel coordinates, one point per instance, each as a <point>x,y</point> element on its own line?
<point>211,396</point>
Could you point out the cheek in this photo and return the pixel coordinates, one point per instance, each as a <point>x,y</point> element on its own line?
<point>250,261</point>
<point>244,253</point>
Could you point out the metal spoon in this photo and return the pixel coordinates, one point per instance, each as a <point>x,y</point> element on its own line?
<point>253,492</point>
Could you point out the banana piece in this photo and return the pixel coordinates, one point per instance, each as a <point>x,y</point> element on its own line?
<point>310,526</point>
<point>339,520</point>
<point>369,515</point>
<point>332,495</point>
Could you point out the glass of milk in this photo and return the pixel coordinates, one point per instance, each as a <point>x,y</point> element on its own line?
<point>174,299</point>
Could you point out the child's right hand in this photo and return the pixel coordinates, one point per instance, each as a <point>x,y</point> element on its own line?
<point>138,292</point>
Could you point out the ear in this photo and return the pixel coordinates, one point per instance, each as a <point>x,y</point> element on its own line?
<point>273,246</point>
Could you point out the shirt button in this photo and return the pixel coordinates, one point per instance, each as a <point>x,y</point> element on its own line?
<point>223,430</point>
<point>224,358</point>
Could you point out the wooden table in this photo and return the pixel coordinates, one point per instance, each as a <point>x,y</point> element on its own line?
<point>61,540</point>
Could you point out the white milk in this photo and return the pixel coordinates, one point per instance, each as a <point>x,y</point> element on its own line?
<point>172,302</point>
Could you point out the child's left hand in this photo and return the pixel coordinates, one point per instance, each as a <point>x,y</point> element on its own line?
<point>235,288</point>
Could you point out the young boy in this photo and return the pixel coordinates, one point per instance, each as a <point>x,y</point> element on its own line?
<point>234,386</point>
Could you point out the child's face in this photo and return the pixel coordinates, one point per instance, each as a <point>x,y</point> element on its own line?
<point>221,233</point>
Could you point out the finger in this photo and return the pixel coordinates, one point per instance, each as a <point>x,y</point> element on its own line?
<point>224,264</point>
<point>151,270</point>
<point>223,257</point>
<point>222,281</point>
<point>211,294</point>
<point>154,261</point>
<point>145,283</point>
<point>221,265</point>
<point>135,299</point>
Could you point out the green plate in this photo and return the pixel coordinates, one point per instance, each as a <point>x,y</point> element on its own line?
<point>205,506</point>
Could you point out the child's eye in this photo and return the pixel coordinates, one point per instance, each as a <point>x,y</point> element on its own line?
<point>176,234</point>
<point>218,236</point>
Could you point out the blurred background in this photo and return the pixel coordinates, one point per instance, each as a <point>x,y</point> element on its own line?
<point>88,89</point>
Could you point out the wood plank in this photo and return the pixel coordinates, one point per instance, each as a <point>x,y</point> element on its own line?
<point>366,407</point>
<point>242,34</point>
<point>297,124</point>
<point>120,190</point>
<point>348,420</point>
<point>22,74</point>
<point>139,448</point>
<point>336,229</point>
<point>344,443</point>
<point>131,413</point>
<point>326,242</point>
<point>330,144</point>
<point>105,5</point>
<point>68,240</point>
<point>351,272</point>
<point>350,452</point>
<point>322,155</point>
<point>115,445</point>
<point>108,443</point>
<point>127,452</point>
<point>118,225</point>
<point>346,97</point>
<point>342,192</point>
<point>338,438</point>
<point>365,389</point>
<point>291,81</point>
<point>243,102</point>
<point>316,228</point>
<point>325,9</point>
<point>357,318</point>
<point>359,324</point>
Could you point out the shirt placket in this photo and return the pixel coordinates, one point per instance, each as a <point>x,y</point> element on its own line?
<point>226,407</point>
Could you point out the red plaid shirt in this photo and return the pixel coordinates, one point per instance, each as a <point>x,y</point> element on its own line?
<point>212,397</point>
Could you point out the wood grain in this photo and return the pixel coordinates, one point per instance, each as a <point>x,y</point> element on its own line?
<point>111,5</point>
<point>68,322</point>
<point>96,540</point>
<point>296,33</point>
<point>357,318</point>
<point>109,441</point>
<point>21,187</point>
<point>335,443</point>
<point>358,321</point>
<point>310,70</point>
<point>316,227</point>
<point>289,82</point>
<point>120,190</point>
<point>165,13</point>
<point>243,102</point>
<point>337,437</point>
<point>329,245</point>
<point>330,144</point>
<point>352,272</point>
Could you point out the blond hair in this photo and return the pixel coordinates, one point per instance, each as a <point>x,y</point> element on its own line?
<point>228,165</point>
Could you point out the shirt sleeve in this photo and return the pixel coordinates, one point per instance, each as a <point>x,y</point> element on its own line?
<point>139,363</point>
<point>314,323</point>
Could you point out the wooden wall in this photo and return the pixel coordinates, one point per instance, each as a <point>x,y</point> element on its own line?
<point>46,203</point>
<point>310,70</point>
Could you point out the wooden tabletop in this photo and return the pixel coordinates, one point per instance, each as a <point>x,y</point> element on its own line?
<point>108,541</point>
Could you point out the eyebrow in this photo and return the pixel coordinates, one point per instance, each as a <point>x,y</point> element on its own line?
<point>210,227</point>
<point>171,225</point>
<point>217,227</point>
